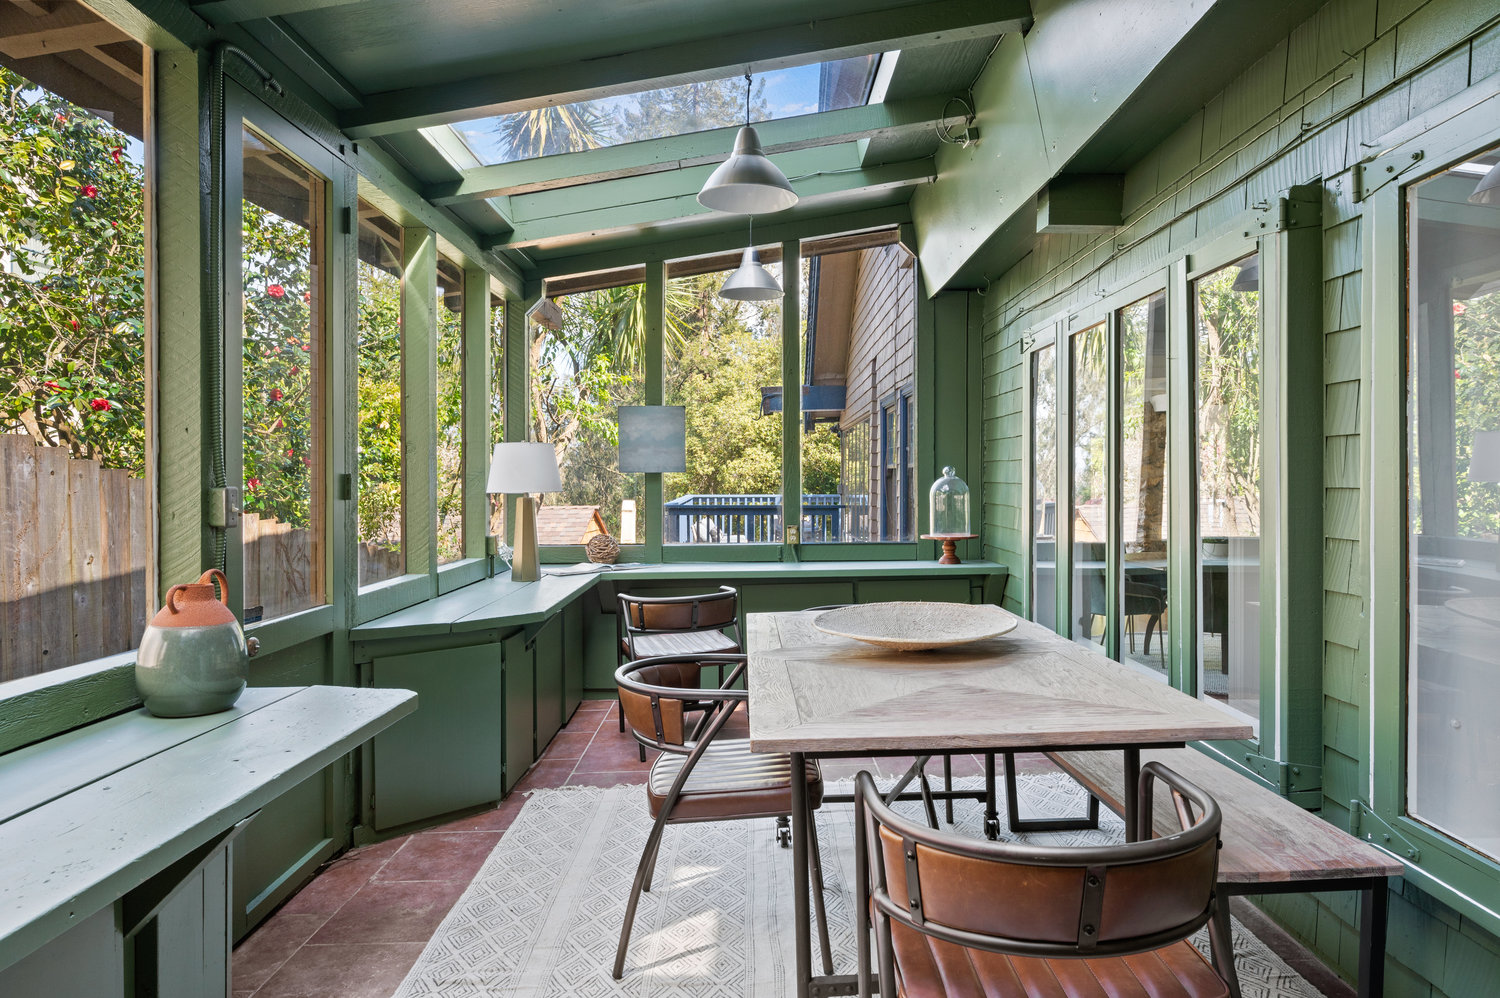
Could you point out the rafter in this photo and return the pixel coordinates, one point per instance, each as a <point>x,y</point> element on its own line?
<point>813,190</point>
<point>232,11</point>
<point>902,26</point>
<point>676,152</point>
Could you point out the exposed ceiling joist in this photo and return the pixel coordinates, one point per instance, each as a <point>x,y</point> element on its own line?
<point>60,39</point>
<point>903,26</point>
<point>812,190</point>
<point>232,11</point>
<point>676,152</point>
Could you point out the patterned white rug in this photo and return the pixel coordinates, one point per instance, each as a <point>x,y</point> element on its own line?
<point>542,917</point>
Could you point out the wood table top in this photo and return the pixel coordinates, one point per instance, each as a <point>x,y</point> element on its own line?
<point>1026,690</point>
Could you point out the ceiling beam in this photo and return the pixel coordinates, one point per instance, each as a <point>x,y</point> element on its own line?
<point>1073,203</point>
<point>811,189</point>
<point>678,152</point>
<point>54,40</point>
<point>902,26</point>
<point>234,11</point>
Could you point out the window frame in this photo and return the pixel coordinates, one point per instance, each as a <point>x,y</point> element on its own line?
<point>1038,338</point>
<point>1443,866</point>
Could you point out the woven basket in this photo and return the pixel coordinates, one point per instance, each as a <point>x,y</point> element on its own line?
<point>602,549</point>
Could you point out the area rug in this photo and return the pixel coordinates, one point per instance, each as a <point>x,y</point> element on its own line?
<point>542,916</point>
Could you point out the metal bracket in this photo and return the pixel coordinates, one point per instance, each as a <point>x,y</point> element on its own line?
<point>1286,777</point>
<point>224,507</point>
<point>1364,823</point>
<point>1372,176</point>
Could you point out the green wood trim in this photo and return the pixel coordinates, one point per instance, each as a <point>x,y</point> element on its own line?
<point>390,596</point>
<point>653,516</point>
<point>36,707</point>
<point>517,382</point>
<point>1182,479</point>
<point>294,629</point>
<point>476,411</point>
<point>1028,479</point>
<point>175,210</point>
<point>418,398</point>
<point>866,551</point>
<point>457,574</point>
<point>697,554</point>
<point>791,410</point>
<point>1062,374</point>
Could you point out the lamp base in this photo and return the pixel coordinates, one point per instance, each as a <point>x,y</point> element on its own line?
<point>525,565</point>
<point>950,546</point>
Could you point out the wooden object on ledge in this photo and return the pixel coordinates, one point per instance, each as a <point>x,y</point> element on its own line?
<point>950,546</point>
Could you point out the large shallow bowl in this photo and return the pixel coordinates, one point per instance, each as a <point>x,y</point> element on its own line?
<point>915,626</point>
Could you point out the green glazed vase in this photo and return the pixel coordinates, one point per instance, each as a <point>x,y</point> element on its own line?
<point>193,658</point>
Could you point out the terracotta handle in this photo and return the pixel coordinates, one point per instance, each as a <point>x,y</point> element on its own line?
<point>172,597</point>
<point>223,580</point>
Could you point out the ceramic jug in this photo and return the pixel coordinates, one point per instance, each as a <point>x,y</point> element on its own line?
<point>193,658</point>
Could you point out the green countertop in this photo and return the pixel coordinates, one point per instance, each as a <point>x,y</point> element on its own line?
<point>500,602</point>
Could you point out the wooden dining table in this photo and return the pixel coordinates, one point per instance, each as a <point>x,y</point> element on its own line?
<point>814,695</point>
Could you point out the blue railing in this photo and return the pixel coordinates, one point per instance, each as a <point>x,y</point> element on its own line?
<point>756,518</point>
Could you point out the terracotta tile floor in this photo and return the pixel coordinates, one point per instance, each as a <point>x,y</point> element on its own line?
<point>358,926</point>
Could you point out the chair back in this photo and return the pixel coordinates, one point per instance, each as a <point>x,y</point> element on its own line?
<point>654,692</point>
<point>1041,901</point>
<point>655,614</point>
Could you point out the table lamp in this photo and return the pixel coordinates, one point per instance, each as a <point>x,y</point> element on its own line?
<point>1484,466</point>
<point>522,469</point>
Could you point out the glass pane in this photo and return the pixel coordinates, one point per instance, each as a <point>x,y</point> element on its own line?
<point>1453,504</point>
<point>1143,475</point>
<point>1226,308</point>
<point>724,366</point>
<point>75,513</point>
<point>450,411</point>
<point>497,402</point>
<point>1091,526</point>
<point>1044,486</point>
<point>283,272</point>
<point>381,451</point>
<point>859,312</point>
<point>585,369</point>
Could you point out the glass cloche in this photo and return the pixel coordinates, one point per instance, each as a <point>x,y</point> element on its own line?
<point>949,504</point>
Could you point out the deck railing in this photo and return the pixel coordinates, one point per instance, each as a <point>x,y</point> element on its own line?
<point>757,518</point>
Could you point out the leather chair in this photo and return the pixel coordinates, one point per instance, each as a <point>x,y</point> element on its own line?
<point>700,776</point>
<point>651,626</point>
<point>967,918</point>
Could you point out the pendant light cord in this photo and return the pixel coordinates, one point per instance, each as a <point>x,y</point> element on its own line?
<point>747,96</point>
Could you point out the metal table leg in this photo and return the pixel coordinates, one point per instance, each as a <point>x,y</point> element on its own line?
<point>1132,781</point>
<point>1372,920</point>
<point>800,817</point>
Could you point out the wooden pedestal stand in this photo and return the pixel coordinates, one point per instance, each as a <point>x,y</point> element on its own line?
<point>950,546</point>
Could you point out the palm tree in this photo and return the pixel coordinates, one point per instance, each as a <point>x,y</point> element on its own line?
<point>547,131</point>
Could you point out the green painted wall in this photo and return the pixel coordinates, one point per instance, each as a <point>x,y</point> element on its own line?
<point>1307,111</point>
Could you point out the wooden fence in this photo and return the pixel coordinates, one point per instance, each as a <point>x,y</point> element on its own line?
<point>73,550</point>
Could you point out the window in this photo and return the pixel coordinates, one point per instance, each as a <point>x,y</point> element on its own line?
<point>1144,480</point>
<point>723,364</point>
<point>76,444</point>
<point>588,361</point>
<point>1044,486</point>
<point>858,353</point>
<point>1226,309</point>
<point>1452,383</point>
<point>382,453</point>
<point>284,270</point>
<point>1090,483</point>
<point>450,411</point>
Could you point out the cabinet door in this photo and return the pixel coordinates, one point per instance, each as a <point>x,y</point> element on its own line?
<point>928,590</point>
<point>572,659</point>
<point>519,709</point>
<point>549,681</point>
<point>446,755</point>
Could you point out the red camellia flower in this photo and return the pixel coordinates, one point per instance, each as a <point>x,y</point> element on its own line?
<point>307,461</point>
<point>52,385</point>
<point>74,322</point>
<point>100,405</point>
<point>307,296</point>
<point>253,484</point>
<point>276,291</point>
<point>275,394</point>
<point>296,370</point>
<point>1459,308</point>
<point>277,425</point>
<point>89,190</point>
<point>118,152</point>
<point>61,117</point>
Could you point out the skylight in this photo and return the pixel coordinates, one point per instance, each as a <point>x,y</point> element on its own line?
<point>679,110</point>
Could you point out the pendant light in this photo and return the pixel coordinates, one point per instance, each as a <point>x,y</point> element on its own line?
<point>1487,191</point>
<point>751,282</point>
<point>747,183</point>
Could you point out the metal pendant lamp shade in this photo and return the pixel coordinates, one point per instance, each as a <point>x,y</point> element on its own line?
<point>1487,192</point>
<point>747,183</point>
<point>751,282</point>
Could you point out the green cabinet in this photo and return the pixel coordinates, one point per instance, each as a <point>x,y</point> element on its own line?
<point>519,708</point>
<point>549,648</point>
<point>573,658</point>
<point>448,754</point>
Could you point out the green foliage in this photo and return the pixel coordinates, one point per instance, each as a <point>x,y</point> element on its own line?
<point>1229,399</point>
<point>72,298</point>
<point>379,390</point>
<point>693,107</point>
<point>1476,389</point>
<point>450,427</point>
<point>547,131</point>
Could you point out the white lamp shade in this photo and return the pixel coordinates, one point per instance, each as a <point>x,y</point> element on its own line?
<point>1487,191</point>
<point>1484,457</point>
<point>747,183</point>
<point>751,282</point>
<point>523,468</point>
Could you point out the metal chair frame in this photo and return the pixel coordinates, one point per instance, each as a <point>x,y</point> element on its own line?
<point>873,899</point>
<point>725,700</point>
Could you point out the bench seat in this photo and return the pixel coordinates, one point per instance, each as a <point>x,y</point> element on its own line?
<point>1267,838</point>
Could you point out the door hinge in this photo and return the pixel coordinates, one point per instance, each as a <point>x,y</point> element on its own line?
<point>1286,777</point>
<point>1365,824</point>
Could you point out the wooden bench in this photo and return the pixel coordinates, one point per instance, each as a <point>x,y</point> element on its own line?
<point>114,837</point>
<point>1270,845</point>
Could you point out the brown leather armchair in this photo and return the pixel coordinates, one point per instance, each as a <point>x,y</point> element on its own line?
<point>701,776</point>
<point>967,918</point>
